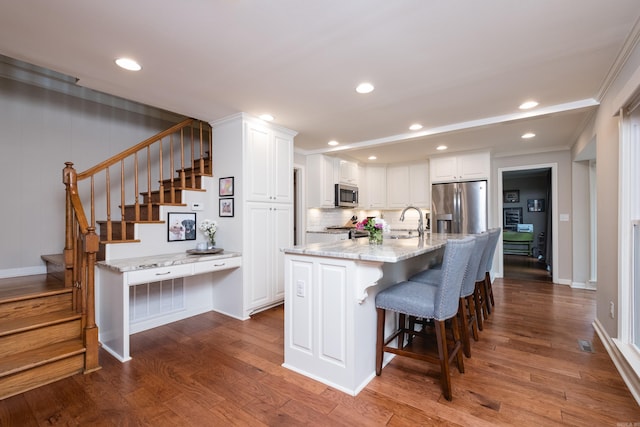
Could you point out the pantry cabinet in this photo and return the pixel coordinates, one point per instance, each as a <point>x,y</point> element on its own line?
<point>259,155</point>
<point>462,167</point>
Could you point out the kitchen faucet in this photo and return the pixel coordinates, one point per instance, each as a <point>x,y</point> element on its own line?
<point>420,227</point>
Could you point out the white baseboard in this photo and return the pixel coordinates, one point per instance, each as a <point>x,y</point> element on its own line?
<point>24,271</point>
<point>627,373</point>
<point>564,282</point>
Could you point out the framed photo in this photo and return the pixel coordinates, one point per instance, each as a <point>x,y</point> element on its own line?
<point>226,187</point>
<point>535,205</point>
<point>512,217</point>
<point>226,207</point>
<point>511,196</point>
<point>181,226</point>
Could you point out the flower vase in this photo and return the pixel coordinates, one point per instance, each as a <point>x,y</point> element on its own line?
<point>375,237</point>
<point>212,242</point>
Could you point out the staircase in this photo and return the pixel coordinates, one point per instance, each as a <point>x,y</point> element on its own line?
<point>41,337</point>
<point>47,322</point>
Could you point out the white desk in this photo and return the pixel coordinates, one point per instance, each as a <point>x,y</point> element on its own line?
<point>189,297</point>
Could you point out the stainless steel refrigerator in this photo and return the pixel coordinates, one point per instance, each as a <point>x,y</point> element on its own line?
<point>459,207</point>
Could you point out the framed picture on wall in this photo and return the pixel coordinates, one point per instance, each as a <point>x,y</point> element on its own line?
<point>181,226</point>
<point>226,208</point>
<point>511,196</point>
<point>535,205</point>
<point>226,187</point>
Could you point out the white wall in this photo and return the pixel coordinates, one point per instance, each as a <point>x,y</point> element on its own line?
<point>41,130</point>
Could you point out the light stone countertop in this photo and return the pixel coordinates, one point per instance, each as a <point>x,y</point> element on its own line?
<point>391,250</point>
<point>164,260</point>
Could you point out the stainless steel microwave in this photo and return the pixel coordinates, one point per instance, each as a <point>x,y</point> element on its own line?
<point>346,196</point>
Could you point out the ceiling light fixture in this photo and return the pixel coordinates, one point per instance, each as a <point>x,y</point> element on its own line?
<point>528,105</point>
<point>267,117</point>
<point>333,143</point>
<point>441,147</point>
<point>364,88</point>
<point>372,158</point>
<point>128,64</point>
<point>528,135</point>
<point>415,126</point>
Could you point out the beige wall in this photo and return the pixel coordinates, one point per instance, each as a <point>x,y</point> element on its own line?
<point>41,130</point>
<point>604,129</point>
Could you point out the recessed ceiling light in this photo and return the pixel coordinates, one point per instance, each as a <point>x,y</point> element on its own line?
<point>372,158</point>
<point>527,105</point>
<point>415,126</point>
<point>333,143</point>
<point>441,147</point>
<point>128,64</point>
<point>528,135</point>
<point>365,88</point>
<point>267,117</point>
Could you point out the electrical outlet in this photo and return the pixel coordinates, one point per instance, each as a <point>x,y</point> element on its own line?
<point>300,288</point>
<point>612,310</point>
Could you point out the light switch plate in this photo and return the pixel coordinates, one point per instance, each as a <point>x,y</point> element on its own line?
<point>195,206</point>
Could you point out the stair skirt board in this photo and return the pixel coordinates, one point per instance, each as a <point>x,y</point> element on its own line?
<point>41,375</point>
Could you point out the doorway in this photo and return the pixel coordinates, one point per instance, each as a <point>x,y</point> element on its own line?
<point>527,204</point>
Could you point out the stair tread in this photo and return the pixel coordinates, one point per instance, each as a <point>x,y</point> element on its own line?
<point>26,287</point>
<point>10,365</point>
<point>12,326</point>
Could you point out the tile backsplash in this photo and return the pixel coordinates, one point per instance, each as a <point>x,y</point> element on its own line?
<point>319,219</point>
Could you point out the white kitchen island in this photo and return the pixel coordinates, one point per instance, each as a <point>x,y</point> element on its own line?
<point>330,313</point>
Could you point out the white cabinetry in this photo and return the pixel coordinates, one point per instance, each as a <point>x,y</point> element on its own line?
<point>259,156</point>
<point>269,156</point>
<point>347,172</point>
<point>408,185</point>
<point>320,181</point>
<point>376,188</point>
<point>460,168</point>
<point>269,228</point>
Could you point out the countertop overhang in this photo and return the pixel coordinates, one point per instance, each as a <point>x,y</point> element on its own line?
<point>164,260</point>
<point>391,250</point>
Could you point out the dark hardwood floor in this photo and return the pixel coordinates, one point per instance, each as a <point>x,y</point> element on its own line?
<point>526,370</point>
<point>520,267</point>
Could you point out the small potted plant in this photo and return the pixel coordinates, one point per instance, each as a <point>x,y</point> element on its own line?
<point>375,227</point>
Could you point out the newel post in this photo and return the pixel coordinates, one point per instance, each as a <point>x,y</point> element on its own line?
<point>69,178</point>
<point>91,245</point>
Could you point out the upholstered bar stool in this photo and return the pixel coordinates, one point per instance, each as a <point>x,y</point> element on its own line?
<point>494,236</point>
<point>467,314</point>
<point>484,293</point>
<point>439,303</point>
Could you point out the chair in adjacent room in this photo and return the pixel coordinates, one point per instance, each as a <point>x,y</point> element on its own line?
<point>438,303</point>
<point>467,314</point>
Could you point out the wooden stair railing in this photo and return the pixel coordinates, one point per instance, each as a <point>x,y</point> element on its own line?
<point>189,141</point>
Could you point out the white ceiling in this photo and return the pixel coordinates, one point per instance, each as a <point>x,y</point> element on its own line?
<point>460,68</point>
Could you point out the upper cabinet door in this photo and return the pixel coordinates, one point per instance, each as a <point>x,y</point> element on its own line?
<point>463,167</point>
<point>269,165</point>
<point>258,163</point>
<point>282,171</point>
